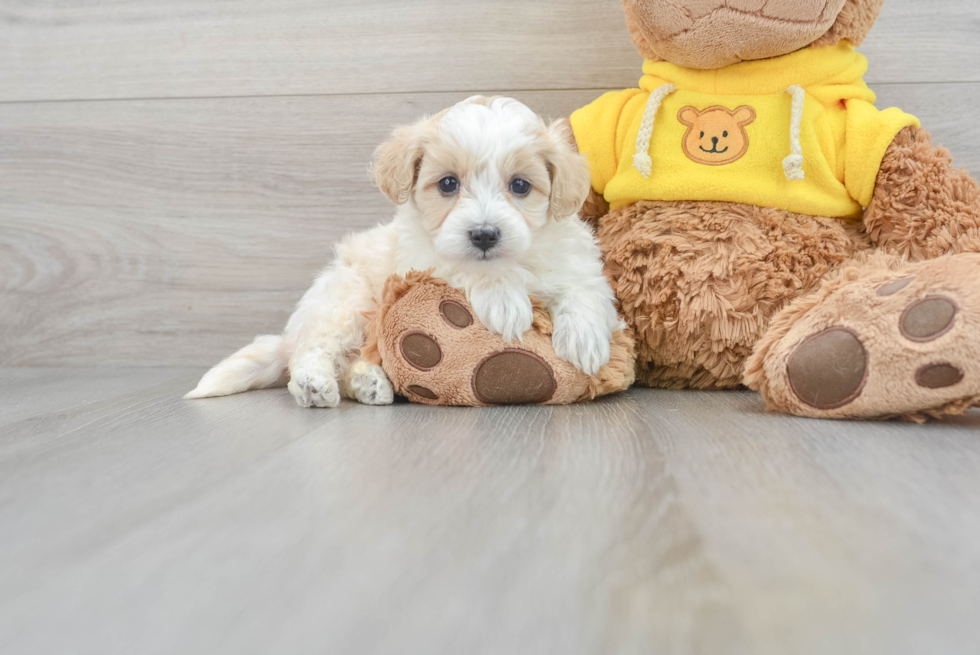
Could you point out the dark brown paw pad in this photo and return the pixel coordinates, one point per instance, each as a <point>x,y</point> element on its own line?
<point>938,376</point>
<point>455,314</point>
<point>420,350</point>
<point>893,287</point>
<point>422,392</point>
<point>928,319</point>
<point>829,369</point>
<point>513,377</point>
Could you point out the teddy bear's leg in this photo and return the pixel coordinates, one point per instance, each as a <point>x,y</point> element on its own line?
<point>881,338</point>
<point>923,206</point>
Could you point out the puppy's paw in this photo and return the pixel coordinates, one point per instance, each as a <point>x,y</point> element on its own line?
<point>504,310</point>
<point>314,385</point>
<point>369,385</point>
<point>581,341</point>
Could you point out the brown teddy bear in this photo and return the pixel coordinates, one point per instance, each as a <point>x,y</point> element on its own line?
<point>763,223</point>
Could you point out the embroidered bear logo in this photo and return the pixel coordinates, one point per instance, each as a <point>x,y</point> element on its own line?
<point>716,136</point>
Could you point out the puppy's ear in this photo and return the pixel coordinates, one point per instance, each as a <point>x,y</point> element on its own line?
<point>397,161</point>
<point>570,177</point>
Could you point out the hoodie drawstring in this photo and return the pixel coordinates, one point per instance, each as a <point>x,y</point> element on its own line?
<point>641,160</point>
<point>793,164</point>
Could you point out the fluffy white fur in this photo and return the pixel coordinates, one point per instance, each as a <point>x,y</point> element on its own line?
<point>543,251</point>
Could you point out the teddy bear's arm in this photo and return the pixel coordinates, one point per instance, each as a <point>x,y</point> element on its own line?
<point>595,207</point>
<point>923,206</point>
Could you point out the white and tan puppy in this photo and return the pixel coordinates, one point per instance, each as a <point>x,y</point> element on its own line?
<point>487,196</point>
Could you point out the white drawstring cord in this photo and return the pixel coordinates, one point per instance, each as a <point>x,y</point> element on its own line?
<point>641,160</point>
<point>793,164</point>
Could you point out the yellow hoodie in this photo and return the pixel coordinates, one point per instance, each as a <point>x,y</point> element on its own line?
<point>798,132</point>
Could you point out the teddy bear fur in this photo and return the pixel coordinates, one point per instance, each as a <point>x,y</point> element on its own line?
<point>699,282</point>
<point>704,285</point>
<point>426,336</point>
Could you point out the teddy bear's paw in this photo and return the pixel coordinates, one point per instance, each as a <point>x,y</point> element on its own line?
<point>886,344</point>
<point>435,351</point>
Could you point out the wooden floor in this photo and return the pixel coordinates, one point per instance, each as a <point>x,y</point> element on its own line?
<point>132,521</point>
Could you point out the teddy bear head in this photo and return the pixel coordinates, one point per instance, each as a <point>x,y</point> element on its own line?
<point>709,34</point>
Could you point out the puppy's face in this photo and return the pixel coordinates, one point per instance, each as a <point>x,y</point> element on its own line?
<point>483,176</point>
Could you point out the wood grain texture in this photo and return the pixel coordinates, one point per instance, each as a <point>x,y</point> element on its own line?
<point>186,48</point>
<point>652,522</point>
<point>171,232</point>
<point>129,231</point>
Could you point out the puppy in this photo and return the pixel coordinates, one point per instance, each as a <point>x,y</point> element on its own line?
<point>488,197</point>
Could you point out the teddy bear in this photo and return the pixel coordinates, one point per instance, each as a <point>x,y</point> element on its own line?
<point>763,224</point>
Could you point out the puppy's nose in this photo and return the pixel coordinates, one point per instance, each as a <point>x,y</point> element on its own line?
<point>714,140</point>
<point>484,237</point>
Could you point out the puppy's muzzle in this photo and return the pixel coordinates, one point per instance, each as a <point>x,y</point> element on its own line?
<point>484,237</point>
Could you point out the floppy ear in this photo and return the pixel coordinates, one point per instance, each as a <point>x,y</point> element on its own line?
<point>571,180</point>
<point>688,116</point>
<point>744,115</point>
<point>397,163</point>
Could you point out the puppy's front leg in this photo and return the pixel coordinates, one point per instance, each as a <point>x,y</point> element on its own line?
<point>328,330</point>
<point>583,322</point>
<point>503,308</point>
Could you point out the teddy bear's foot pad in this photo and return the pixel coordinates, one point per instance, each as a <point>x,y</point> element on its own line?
<point>829,369</point>
<point>514,377</point>
<point>436,352</point>
<point>886,344</point>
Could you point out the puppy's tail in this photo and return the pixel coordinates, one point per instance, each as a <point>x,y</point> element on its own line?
<point>259,365</point>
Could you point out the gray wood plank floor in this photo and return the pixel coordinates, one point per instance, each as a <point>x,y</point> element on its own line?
<point>653,522</point>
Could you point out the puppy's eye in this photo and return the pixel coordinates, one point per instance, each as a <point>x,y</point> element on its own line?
<point>702,135</point>
<point>725,133</point>
<point>449,185</point>
<point>520,187</point>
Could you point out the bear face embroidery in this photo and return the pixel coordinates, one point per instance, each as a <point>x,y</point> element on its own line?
<point>716,135</point>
